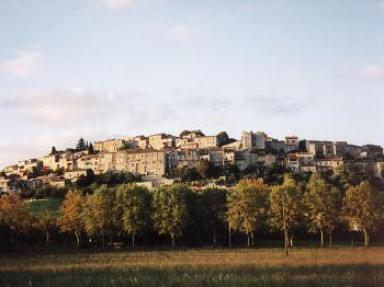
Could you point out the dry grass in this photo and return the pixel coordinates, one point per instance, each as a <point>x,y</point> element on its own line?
<point>260,267</point>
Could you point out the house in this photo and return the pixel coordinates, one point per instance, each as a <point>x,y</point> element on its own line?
<point>329,164</point>
<point>141,141</point>
<point>161,141</point>
<point>253,140</point>
<point>111,145</point>
<point>74,175</point>
<point>142,162</point>
<point>204,142</point>
<point>291,143</point>
<point>371,152</point>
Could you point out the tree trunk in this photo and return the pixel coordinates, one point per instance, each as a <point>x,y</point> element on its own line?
<point>248,240</point>
<point>173,239</point>
<point>291,241</point>
<point>330,238</point>
<point>321,237</point>
<point>285,229</point>
<point>11,236</point>
<point>133,241</point>
<point>252,239</point>
<point>103,239</point>
<point>366,237</point>
<point>229,238</point>
<point>47,236</point>
<point>214,236</point>
<point>77,239</point>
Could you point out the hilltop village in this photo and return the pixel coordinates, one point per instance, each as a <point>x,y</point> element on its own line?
<point>160,159</point>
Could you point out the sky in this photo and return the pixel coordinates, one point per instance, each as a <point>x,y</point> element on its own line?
<point>103,69</point>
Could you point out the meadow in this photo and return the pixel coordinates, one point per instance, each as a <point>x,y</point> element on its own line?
<point>337,266</point>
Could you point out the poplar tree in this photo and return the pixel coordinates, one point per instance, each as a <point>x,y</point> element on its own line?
<point>13,214</point>
<point>170,212</point>
<point>363,209</point>
<point>247,208</point>
<point>323,206</point>
<point>134,209</point>
<point>99,214</point>
<point>286,207</point>
<point>71,210</point>
<point>213,205</point>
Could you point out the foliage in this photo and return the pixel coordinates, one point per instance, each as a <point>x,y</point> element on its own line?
<point>170,212</point>
<point>247,207</point>
<point>45,222</point>
<point>99,213</point>
<point>286,198</point>
<point>323,204</point>
<point>363,208</point>
<point>188,174</point>
<point>134,208</point>
<point>13,214</point>
<point>213,206</point>
<point>81,145</point>
<point>274,174</point>
<point>71,210</point>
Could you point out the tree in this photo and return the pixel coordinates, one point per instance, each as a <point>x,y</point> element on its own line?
<point>323,205</point>
<point>99,213</point>
<point>81,145</point>
<point>362,209</point>
<point>86,180</point>
<point>247,208</point>
<point>53,150</point>
<point>170,212</point>
<point>13,214</point>
<point>213,204</point>
<point>46,222</point>
<point>286,207</point>
<point>203,168</point>
<point>90,149</point>
<point>188,174</point>
<point>134,208</point>
<point>70,220</point>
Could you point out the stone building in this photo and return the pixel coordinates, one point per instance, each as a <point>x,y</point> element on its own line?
<point>111,145</point>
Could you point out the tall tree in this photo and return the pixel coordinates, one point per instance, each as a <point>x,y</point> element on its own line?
<point>13,214</point>
<point>213,205</point>
<point>46,222</point>
<point>134,208</point>
<point>53,150</point>
<point>363,209</point>
<point>247,207</point>
<point>99,213</point>
<point>81,145</point>
<point>90,149</point>
<point>286,207</point>
<point>323,203</point>
<point>170,212</point>
<point>70,220</point>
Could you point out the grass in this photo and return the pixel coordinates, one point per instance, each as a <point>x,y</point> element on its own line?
<point>339,266</point>
<point>36,207</point>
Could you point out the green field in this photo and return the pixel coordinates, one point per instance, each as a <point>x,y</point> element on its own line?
<point>340,266</point>
<point>36,207</point>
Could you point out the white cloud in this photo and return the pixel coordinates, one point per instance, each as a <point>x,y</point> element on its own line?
<point>118,4</point>
<point>373,71</point>
<point>179,33</point>
<point>66,108</point>
<point>24,65</point>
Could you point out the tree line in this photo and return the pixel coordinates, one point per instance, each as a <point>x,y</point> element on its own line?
<point>182,216</point>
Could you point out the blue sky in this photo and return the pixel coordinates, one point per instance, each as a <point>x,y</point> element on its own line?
<point>109,68</point>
